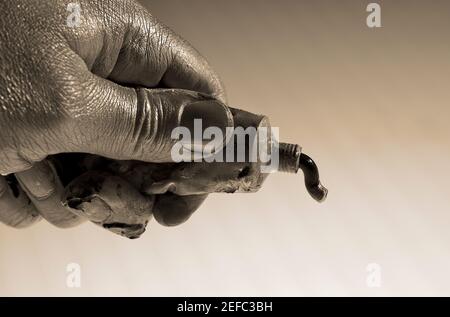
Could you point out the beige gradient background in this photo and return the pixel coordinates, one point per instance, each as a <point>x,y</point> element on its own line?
<point>370,105</point>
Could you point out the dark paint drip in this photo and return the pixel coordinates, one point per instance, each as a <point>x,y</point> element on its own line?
<point>312,180</point>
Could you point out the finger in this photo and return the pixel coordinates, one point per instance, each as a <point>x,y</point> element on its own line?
<point>173,210</point>
<point>111,202</point>
<point>153,54</point>
<point>45,190</point>
<point>138,124</point>
<point>16,209</point>
<point>130,46</point>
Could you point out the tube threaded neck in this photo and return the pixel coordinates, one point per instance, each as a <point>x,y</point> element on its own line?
<point>289,157</point>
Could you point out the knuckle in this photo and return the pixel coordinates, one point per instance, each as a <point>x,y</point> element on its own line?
<point>151,126</point>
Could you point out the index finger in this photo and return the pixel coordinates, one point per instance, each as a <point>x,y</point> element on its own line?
<point>132,47</point>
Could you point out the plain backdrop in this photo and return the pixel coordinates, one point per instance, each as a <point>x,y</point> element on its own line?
<point>370,105</point>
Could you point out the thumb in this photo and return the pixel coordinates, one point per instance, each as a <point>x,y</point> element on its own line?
<point>137,124</point>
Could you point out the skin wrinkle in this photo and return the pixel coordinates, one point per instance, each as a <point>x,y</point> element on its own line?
<point>143,123</point>
<point>142,46</point>
<point>113,39</point>
<point>158,122</point>
<point>168,58</point>
<point>103,67</point>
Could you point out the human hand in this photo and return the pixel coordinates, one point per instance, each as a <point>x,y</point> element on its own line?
<point>85,89</point>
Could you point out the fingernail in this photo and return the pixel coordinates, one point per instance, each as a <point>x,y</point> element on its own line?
<point>202,115</point>
<point>39,181</point>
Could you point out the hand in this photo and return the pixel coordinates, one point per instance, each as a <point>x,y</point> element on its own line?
<point>68,89</point>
